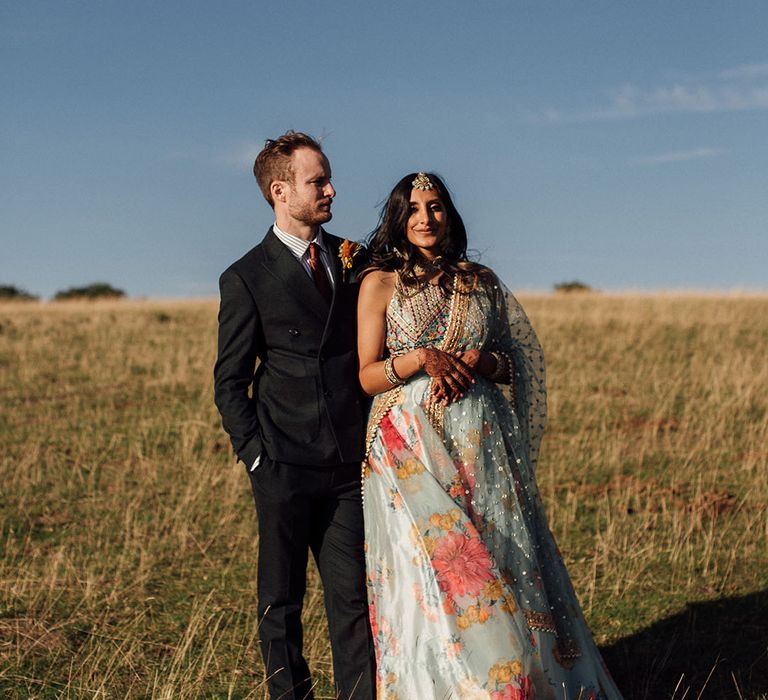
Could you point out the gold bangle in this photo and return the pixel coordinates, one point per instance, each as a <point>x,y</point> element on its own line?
<point>389,372</point>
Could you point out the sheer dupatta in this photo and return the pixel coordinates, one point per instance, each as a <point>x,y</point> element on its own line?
<point>513,336</point>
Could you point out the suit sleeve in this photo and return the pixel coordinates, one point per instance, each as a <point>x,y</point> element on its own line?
<point>240,343</point>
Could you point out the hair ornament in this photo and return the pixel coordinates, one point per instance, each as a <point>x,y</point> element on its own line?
<point>422,182</point>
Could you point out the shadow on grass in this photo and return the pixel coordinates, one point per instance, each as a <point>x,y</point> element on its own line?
<point>727,638</point>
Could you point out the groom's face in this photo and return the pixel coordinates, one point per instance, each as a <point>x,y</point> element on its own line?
<point>310,194</point>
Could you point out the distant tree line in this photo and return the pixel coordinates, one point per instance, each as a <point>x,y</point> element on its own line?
<point>97,290</point>
<point>574,286</point>
<point>8,291</point>
<point>102,290</point>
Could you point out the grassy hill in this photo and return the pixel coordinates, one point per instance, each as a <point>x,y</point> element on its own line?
<point>128,534</point>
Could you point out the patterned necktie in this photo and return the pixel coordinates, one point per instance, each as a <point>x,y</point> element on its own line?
<point>319,274</point>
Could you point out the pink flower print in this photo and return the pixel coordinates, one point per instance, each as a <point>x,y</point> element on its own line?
<point>509,692</point>
<point>392,439</point>
<point>372,615</point>
<point>456,489</point>
<point>418,594</point>
<point>449,607</point>
<point>467,474</point>
<point>454,649</point>
<point>462,563</point>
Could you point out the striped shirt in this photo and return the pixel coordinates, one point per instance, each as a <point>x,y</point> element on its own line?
<point>300,249</point>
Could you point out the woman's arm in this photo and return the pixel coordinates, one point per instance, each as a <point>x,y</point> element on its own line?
<point>375,293</point>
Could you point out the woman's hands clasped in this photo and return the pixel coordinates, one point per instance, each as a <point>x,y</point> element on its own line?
<point>451,374</point>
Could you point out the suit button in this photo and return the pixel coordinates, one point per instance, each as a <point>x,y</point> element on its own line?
<point>322,358</point>
<point>312,353</point>
<point>327,394</point>
<point>294,332</point>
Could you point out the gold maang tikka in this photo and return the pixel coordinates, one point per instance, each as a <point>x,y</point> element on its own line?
<point>422,182</point>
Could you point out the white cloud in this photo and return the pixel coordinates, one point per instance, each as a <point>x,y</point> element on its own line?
<point>678,156</point>
<point>748,71</point>
<point>737,89</point>
<point>242,155</point>
<point>237,157</point>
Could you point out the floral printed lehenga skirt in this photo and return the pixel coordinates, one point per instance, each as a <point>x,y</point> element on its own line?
<point>469,597</point>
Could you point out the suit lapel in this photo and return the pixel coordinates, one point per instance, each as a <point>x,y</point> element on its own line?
<point>283,265</point>
<point>332,244</point>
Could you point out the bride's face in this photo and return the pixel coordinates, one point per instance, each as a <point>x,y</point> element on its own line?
<point>427,222</point>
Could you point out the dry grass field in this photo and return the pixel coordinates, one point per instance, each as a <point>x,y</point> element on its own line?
<point>128,535</point>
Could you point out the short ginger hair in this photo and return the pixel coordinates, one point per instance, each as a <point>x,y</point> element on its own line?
<point>274,161</point>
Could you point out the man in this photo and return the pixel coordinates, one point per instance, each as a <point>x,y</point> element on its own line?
<point>288,304</point>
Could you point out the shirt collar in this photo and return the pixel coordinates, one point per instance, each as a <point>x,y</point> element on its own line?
<point>299,246</point>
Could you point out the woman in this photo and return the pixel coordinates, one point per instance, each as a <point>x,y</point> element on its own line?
<point>468,595</point>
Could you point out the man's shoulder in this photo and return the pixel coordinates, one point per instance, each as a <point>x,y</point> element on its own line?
<point>247,261</point>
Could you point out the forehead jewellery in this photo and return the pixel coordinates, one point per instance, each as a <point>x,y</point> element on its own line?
<point>422,182</point>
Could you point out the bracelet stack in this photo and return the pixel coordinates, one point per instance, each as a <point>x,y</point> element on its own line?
<point>389,372</point>
<point>503,372</point>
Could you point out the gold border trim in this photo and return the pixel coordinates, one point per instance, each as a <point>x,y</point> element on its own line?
<point>382,404</point>
<point>457,317</point>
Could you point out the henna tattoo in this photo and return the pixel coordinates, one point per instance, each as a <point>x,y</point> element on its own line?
<point>437,363</point>
<point>444,391</point>
<point>451,377</point>
<point>471,358</point>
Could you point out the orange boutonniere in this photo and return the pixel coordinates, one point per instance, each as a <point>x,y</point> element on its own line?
<point>347,252</point>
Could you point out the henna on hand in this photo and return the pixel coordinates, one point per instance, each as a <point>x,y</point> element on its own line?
<point>491,365</point>
<point>437,363</point>
<point>444,392</point>
<point>471,358</point>
<point>451,376</point>
<point>439,389</point>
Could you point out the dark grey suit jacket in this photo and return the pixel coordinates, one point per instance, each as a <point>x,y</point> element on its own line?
<point>305,406</point>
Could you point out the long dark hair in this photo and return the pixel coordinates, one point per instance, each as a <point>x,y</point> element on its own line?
<point>389,248</point>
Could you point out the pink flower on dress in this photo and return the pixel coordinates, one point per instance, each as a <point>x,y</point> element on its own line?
<point>467,474</point>
<point>462,563</point>
<point>509,692</point>
<point>392,439</point>
<point>372,615</point>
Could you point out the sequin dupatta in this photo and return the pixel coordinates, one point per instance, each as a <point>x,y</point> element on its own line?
<point>468,595</point>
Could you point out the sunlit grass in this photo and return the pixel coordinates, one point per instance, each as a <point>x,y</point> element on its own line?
<point>128,533</point>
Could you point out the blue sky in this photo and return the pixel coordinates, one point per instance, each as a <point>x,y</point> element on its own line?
<point>621,144</point>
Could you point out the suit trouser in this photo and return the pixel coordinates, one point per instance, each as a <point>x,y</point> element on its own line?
<point>302,509</point>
